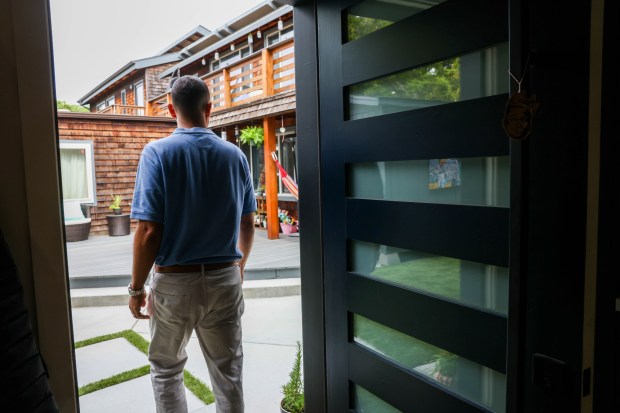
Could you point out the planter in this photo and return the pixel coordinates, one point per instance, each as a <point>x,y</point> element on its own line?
<point>118,225</point>
<point>288,228</point>
<point>117,211</point>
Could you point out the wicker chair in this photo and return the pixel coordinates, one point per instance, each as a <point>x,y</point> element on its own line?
<point>77,226</point>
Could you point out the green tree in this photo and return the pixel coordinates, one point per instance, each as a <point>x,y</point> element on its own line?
<point>61,104</point>
<point>439,81</point>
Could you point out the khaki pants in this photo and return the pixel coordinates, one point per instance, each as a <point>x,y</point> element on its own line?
<point>210,303</point>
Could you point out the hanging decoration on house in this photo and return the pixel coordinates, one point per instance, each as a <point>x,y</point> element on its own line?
<point>520,110</point>
<point>280,24</point>
<point>250,38</point>
<point>259,34</point>
<point>288,182</point>
<point>252,135</point>
<point>216,56</point>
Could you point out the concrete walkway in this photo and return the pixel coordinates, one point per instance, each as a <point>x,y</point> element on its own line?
<point>271,328</point>
<point>99,271</point>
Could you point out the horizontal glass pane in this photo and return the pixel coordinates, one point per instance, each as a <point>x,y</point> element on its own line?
<point>466,378</point>
<point>366,402</point>
<point>462,181</point>
<point>371,15</point>
<point>475,75</point>
<point>474,284</point>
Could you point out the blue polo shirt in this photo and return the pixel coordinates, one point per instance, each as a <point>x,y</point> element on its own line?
<point>198,186</point>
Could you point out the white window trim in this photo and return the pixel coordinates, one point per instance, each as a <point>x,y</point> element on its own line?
<point>123,97</point>
<point>90,166</point>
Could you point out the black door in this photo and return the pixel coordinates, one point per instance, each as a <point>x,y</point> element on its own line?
<point>416,204</point>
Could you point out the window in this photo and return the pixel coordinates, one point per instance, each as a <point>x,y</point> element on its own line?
<point>280,35</point>
<point>109,101</point>
<point>100,106</point>
<point>138,90</point>
<point>123,97</point>
<point>239,53</point>
<point>77,168</point>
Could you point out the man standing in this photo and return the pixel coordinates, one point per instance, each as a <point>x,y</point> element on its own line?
<point>195,204</point>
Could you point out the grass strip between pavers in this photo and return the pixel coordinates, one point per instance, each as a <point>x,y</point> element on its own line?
<point>195,385</point>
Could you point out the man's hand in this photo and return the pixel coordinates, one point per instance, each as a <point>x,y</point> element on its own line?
<point>135,304</point>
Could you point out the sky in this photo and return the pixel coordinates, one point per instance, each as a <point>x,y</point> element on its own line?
<point>92,39</point>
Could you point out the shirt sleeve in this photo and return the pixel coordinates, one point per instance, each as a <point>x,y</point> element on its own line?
<point>148,197</point>
<point>249,199</point>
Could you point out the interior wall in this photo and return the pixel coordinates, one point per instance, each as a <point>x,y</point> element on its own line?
<point>30,212</point>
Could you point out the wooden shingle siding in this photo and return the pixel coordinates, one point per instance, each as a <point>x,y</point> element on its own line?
<point>117,143</point>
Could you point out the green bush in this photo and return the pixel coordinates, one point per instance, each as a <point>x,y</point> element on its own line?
<point>293,390</point>
<point>252,134</point>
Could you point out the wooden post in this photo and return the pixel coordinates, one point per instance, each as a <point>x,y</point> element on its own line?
<point>227,97</point>
<point>271,179</point>
<point>267,63</point>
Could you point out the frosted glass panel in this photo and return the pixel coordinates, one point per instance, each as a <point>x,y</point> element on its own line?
<point>466,378</point>
<point>471,76</point>
<point>367,402</point>
<point>463,181</point>
<point>478,285</point>
<point>371,15</point>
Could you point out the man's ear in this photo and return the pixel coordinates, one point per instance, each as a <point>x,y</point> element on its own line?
<point>173,113</point>
<point>207,111</point>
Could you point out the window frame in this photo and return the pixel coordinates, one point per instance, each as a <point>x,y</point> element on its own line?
<point>89,154</point>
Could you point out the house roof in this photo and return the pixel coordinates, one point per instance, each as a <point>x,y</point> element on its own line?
<point>229,32</point>
<point>188,38</point>
<point>128,70</point>
<point>272,105</point>
<point>168,55</point>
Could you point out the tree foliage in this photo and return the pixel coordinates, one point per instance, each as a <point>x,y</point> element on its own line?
<point>61,104</point>
<point>439,81</point>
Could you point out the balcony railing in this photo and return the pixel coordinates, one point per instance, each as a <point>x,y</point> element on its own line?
<point>124,110</point>
<point>262,74</point>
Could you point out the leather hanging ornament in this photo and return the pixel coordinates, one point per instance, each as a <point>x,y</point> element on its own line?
<point>519,115</point>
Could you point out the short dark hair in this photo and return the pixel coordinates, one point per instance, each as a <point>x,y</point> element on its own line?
<point>189,95</point>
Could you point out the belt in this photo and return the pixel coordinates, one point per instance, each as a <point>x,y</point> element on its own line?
<point>195,267</point>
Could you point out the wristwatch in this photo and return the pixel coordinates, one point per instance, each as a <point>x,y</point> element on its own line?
<point>133,292</point>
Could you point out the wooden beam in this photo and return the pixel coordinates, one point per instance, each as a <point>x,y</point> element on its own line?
<point>227,97</point>
<point>271,179</point>
<point>267,64</point>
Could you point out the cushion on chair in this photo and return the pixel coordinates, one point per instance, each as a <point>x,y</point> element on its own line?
<point>73,211</point>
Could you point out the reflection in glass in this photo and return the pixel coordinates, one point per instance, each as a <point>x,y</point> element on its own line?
<point>463,181</point>
<point>367,402</point>
<point>474,284</point>
<point>466,378</point>
<point>475,75</point>
<point>371,15</point>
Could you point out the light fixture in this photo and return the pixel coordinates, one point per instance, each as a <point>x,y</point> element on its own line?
<point>217,56</point>
<point>203,61</point>
<point>259,34</point>
<point>280,24</point>
<point>236,131</point>
<point>282,128</point>
<point>223,134</point>
<point>232,47</point>
<point>250,38</point>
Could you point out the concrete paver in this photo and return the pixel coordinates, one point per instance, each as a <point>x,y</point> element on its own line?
<point>106,359</point>
<point>133,396</point>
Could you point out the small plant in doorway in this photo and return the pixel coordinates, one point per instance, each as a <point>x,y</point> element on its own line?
<point>293,390</point>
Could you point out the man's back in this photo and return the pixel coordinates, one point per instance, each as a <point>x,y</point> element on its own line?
<point>196,187</point>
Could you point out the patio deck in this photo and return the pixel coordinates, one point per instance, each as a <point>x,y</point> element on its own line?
<point>105,261</point>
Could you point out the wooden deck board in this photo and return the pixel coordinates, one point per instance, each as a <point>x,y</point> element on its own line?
<point>104,255</point>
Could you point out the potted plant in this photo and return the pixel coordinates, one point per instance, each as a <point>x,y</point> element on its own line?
<point>293,390</point>
<point>116,204</point>
<point>252,135</point>
<point>445,367</point>
<point>287,222</point>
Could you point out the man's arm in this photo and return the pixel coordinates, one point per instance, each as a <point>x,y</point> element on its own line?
<point>246,239</point>
<point>145,246</point>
